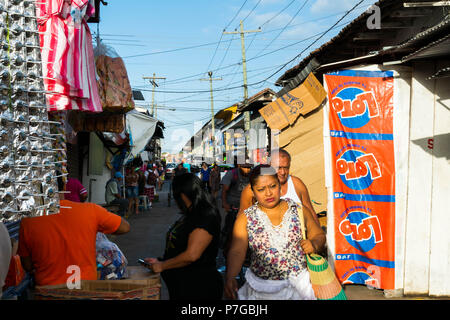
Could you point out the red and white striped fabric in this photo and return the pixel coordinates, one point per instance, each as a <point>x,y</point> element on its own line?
<point>69,66</point>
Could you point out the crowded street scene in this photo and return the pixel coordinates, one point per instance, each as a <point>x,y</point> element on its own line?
<point>237,153</point>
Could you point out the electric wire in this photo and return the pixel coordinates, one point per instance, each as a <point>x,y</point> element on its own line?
<point>280,12</point>
<point>284,28</point>
<point>221,36</point>
<point>251,11</point>
<point>315,41</point>
<point>237,13</point>
<point>208,44</point>
<point>253,38</point>
<point>196,93</point>
<point>320,34</point>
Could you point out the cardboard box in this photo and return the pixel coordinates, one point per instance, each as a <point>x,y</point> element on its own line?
<point>285,110</point>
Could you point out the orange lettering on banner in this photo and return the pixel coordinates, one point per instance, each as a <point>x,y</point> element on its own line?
<point>361,105</point>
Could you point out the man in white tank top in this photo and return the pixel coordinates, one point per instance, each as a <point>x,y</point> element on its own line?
<point>291,187</point>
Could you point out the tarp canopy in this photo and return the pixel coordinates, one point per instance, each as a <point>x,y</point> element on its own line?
<point>140,128</point>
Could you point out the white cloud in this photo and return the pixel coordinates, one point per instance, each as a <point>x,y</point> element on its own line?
<point>279,21</point>
<point>331,6</point>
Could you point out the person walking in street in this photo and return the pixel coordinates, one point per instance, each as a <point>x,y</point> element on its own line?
<point>180,169</point>
<point>186,165</point>
<point>161,177</point>
<point>141,180</point>
<point>233,182</point>
<point>188,266</point>
<point>113,194</point>
<point>132,189</point>
<point>214,181</point>
<point>150,184</point>
<point>204,174</point>
<point>291,187</point>
<point>78,192</point>
<point>49,245</point>
<point>271,228</point>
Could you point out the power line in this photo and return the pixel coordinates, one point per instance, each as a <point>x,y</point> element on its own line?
<point>320,34</point>
<point>215,51</point>
<point>221,36</point>
<point>263,32</point>
<point>284,28</point>
<point>226,52</point>
<point>315,41</point>
<point>213,43</point>
<point>172,50</point>
<point>222,75</point>
<point>243,20</point>
<point>276,15</point>
<point>237,13</point>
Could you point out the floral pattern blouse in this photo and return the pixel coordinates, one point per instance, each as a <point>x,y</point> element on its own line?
<point>276,250</point>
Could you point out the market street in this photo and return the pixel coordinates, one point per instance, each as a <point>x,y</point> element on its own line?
<point>147,239</point>
<point>148,231</point>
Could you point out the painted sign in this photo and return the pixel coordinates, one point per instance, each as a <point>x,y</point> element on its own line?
<point>363,171</point>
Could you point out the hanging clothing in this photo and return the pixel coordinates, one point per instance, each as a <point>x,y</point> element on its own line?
<point>68,64</point>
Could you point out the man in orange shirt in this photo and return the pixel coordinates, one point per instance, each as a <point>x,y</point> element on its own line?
<point>51,246</point>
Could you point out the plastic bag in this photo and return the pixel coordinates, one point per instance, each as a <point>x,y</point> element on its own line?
<point>113,83</point>
<point>111,262</point>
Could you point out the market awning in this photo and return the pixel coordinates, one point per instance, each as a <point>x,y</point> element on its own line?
<point>140,128</point>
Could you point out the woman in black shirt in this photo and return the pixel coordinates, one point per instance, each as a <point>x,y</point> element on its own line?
<point>189,264</point>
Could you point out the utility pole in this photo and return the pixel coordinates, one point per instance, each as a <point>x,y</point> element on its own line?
<point>244,66</point>
<point>212,110</point>
<point>153,82</point>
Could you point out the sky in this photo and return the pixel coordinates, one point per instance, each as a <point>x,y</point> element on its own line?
<point>182,40</point>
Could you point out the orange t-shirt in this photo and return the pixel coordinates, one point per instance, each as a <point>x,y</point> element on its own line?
<point>55,242</point>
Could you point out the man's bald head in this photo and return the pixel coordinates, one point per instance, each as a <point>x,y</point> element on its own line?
<point>280,159</point>
<point>280,153</point>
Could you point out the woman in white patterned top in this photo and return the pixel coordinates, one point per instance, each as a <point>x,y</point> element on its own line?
<point>272,230</point>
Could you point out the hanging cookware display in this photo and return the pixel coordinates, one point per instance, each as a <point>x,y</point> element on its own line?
<point>28,170</point>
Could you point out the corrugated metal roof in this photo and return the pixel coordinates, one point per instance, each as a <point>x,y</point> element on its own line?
<point>422,36</point>
<point>435,48</point>
<point>255,98</point>
<point>335,39</point>
<point>420,39</point>
<point>442,73</point>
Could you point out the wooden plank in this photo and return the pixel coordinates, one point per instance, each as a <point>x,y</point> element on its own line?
<point>426,4</point>
<point>402,103</point>
<point>440,217</point>
<point>417,242</point>
<point>411,13</point>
